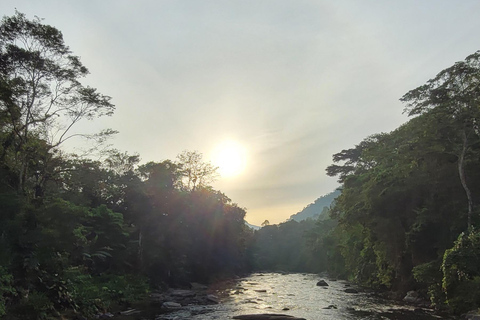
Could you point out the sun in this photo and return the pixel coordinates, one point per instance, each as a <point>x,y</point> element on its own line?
<point>230,157</point>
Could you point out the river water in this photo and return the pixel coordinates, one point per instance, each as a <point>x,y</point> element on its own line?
<point>298,295</point>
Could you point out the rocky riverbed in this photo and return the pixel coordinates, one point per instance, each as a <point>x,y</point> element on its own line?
<point>275,296</point>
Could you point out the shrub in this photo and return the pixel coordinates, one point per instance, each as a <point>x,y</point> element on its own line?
<point>97,293</point>
<point>6,289</point>
<point>429,276</point>
<point>461,273</point>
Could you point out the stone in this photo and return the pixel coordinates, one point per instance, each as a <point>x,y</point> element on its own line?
<point>106,315</point>
<point>350,290</point>
<point>411,297</point>
<point>472,315</point>
<point>198,286</point>
<point>182,293</point>
<point>129,312</point>
<point>322,283</point>
<point>213,298</point>
<point>267,316</point>
<point>171,305</point>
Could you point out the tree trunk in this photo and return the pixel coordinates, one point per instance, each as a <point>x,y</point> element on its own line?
<point>140,250</point>
<point>461,173</point>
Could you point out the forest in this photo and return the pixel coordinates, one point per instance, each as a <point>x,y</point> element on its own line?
<point>80,234</point>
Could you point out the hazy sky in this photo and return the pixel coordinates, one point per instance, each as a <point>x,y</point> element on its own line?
<point>293,81</point>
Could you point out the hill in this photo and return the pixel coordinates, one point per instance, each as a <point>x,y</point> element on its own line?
<point>314,209</point>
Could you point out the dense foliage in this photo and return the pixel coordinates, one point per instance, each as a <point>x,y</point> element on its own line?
<point>84,236</point>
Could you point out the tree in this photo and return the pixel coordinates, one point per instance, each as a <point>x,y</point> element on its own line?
<point>453,96</point>
<point>41,97</point>
<point>196,173</point>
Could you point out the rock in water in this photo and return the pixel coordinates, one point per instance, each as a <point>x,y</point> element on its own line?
<point>267,316</point>
<point>171,305</point>
<point>213,298</point>
<point>411,297</point>
<point>182,293</point>
<point>322,283</point>
<point>350,290</point>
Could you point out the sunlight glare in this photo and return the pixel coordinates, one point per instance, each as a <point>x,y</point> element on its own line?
<point>230,157</point>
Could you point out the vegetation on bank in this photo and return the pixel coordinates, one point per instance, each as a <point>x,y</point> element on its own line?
<point>407,216</point>
<point>83,236</point>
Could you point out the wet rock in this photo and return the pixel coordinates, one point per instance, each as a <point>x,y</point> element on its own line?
<point>350,290</point>
<point>332,306</point>
<point>285,309</point>
<point>157,297</point>
<point>261,290</point>
<point>198,286</point>
<point>267,316</point>
<point>182,293</point>
<point>472,315</point>
<point>322,283</point>
<point>169,305</point>
<point>411,297</point>
<point>129,312</point>
<point>106,315</point>
<point>251,301</point>
<point>212,298</point>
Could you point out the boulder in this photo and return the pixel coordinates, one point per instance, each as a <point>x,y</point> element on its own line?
<point>267,316</point>
<point>322,283</point>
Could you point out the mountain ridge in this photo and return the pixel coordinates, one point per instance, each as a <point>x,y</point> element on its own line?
<point>314,209</point>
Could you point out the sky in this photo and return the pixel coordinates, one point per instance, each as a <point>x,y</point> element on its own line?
<point>286,83</point>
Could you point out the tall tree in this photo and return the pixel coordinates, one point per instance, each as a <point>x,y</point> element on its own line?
<point>41,97</point>
<point>453,96</point>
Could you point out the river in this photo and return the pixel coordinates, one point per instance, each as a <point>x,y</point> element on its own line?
<point>298,295</point>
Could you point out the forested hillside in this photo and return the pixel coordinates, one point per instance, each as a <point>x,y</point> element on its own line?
<point>315,209</point>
